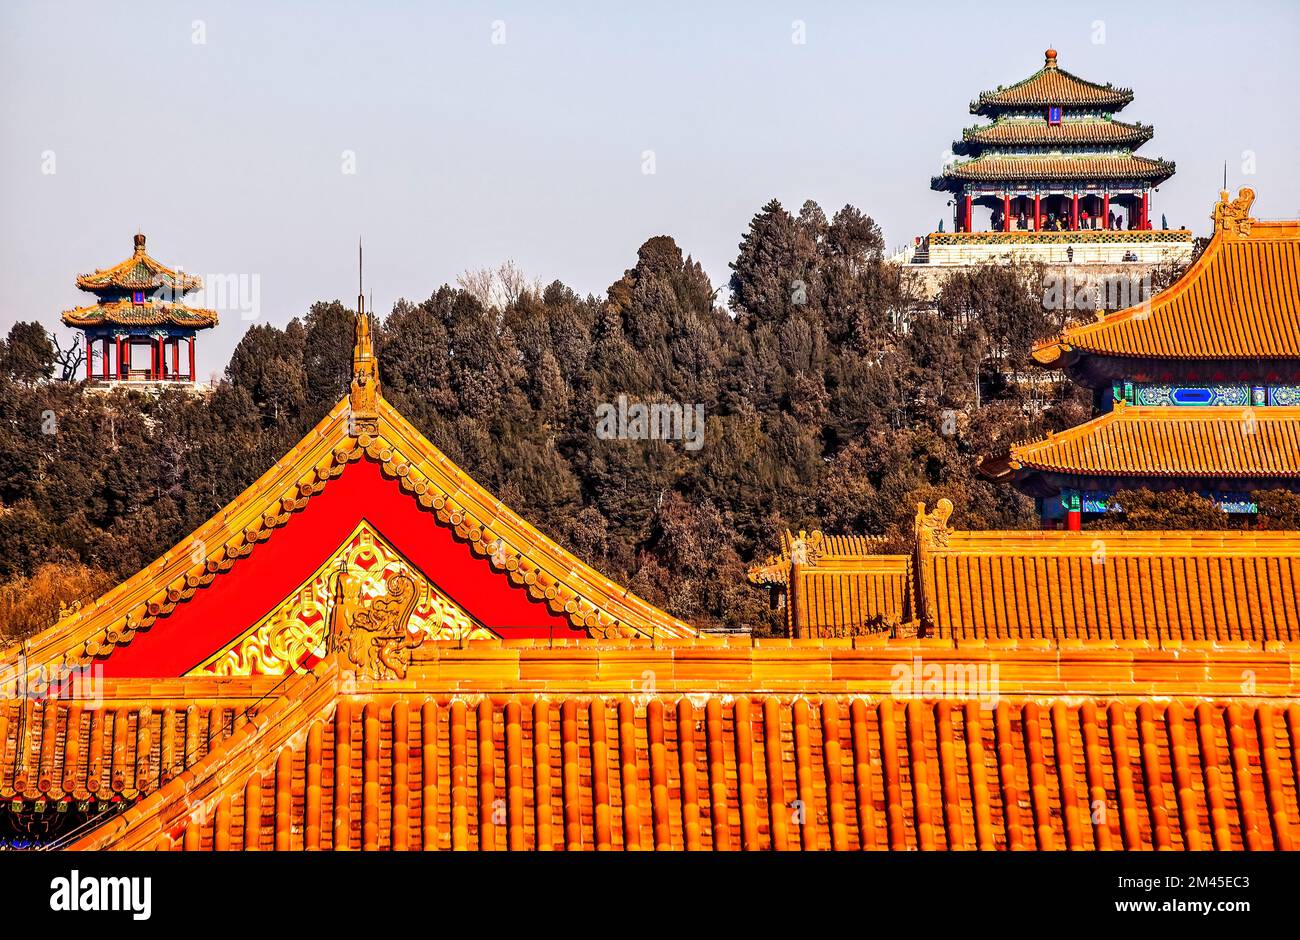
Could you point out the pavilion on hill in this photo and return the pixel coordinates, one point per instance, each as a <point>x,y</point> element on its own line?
<point>137,325</point>
<point>1059,177</point>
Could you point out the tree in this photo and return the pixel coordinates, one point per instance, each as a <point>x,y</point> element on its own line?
<point>28,353</point>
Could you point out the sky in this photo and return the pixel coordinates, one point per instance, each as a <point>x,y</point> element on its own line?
<point>256,142</point>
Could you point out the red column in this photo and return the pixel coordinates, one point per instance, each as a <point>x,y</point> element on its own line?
<point>1038,213</point>
<point>1146,210</point>
<point>1074,212</point>
<point>1105,211</point>
<point>968,215</point>
<point>191,358</point>
<point>1006,212</point>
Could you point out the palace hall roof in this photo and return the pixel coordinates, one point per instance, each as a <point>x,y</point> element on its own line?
<point>150,313</point>
<point>1110,587</point>
<point>1052,85</point>
<point>1240,300</point>
<point>1098,590</point>
<point>844,585</point>
<point>362,467</point>
<point>1166,441</point>
<point>478,755</point>
<point>139,272</point>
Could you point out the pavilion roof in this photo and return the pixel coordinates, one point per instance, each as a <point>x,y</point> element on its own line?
<point>139,272</point>
<point>150,313</point>
<point>1012,132</point>
<point>1240,300</point>
<point>1011,168</point>
<point>1052,85</point>
<point>1155,441</point>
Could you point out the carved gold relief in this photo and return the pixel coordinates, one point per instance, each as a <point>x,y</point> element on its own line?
<point>365,601</point>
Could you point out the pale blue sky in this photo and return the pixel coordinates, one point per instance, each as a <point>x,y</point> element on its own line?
<point>228,154</point>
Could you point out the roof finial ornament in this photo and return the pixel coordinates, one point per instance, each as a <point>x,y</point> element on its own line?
<point>1049,58</point>
<point>1232,216</point>
<point>139,242</point>
<point>363,400</point>
<point>932,527</point>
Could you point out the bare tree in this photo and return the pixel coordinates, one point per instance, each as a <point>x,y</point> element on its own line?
<point>499,288</point>
<point>69,360</point>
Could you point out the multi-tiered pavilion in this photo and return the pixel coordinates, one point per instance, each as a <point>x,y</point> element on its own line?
<point>137,325</point>
<point>1058,176</point>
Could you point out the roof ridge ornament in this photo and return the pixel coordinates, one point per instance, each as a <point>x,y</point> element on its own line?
<point>363,400</point>
<point>1233,216</point>
<point>932,527</point>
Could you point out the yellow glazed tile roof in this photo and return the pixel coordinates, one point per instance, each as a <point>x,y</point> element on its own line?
<point>1240,300</point>
<point>1137,441</point>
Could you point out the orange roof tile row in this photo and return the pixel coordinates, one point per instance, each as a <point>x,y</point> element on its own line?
<point>661,772</point>
<point>1240,300</point>
<point>1114,586</point>
<point>76,751</point>
<point>1254,443</point>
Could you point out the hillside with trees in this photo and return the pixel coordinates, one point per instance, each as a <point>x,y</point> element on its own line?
<point>833,398</point>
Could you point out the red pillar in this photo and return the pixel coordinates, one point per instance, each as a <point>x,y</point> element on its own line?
<point>1146,210</point>
<point>176,357</point>
<point>1006,212</point>
<point>969,228</point>
<point>191,358</point>
<point>1105,210</point>
<point>1038,213</point>
<point>1074,212</point>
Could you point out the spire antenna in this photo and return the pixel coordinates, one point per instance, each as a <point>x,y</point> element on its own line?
<point>361,294</point>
